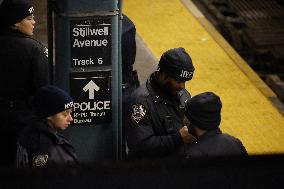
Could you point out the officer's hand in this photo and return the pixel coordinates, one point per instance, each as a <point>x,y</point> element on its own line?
<point>186,122</point>
<point>185,135</point>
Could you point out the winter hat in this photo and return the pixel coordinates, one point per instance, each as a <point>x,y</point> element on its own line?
<point>204,110</point>
<point>13,11</point>
<point>177,64</point>
<point>50,100</point>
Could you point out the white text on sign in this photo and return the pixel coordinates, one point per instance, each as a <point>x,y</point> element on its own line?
<point>92,106</point>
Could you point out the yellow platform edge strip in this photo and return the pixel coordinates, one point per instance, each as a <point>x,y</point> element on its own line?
<point>246,115</point>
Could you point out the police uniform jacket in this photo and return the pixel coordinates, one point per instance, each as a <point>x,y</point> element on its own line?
<point>24,66</point>
<point>216,143</point>
<point>155,120</point>
<point>23,69</point>
<point>39,145</point>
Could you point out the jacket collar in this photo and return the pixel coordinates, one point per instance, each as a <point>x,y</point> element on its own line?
<point>55,135</point>
<point>12,32</point>
<point>209,134</point>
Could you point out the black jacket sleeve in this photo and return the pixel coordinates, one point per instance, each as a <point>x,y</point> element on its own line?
<point>40,66</point>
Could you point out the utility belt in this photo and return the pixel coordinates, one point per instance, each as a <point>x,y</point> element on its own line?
<point>13,103</point>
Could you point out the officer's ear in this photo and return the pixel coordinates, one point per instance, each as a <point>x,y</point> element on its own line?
<point>163,75</point>
<point>15,26</point>
<point>49,121</point>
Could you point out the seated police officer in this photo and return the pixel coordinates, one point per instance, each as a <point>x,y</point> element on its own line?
<point>41,144</point>
<point>156,128</point>
<point>204,113</point>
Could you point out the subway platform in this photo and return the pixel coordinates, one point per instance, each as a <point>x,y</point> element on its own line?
<point>251,110</point>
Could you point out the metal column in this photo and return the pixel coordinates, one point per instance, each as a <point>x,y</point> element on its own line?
<point>84,43</point>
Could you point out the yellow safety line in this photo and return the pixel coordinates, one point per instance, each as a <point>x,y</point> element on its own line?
<point>247,113</point>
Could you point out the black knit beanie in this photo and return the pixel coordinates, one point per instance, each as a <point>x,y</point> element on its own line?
<point>50,100</point>
<point>13,11</point>
<point>204,110</point>
<point>177,64</point>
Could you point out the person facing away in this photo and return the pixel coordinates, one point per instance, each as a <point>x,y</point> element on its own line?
<point>40,144</point>
<point>204,113</point>
<point>129,76</point>
<point>24,69</point>
<point>156,113</point>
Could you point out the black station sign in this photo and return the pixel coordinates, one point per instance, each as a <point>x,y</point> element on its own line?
<point>90,42</point>
<point>91,92</point>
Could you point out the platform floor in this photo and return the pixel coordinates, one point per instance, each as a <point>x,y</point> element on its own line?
<point>248,112</point>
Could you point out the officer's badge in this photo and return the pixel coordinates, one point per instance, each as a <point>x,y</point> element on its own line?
<point>138,112</point>
<point>40,160</point>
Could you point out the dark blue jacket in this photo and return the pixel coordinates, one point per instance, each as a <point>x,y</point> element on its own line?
<point>23,70</point>
<point>39,146</point>
<point>215,143</point>
<point>155,120</point>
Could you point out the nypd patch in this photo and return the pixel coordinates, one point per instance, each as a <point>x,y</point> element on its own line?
<point>138,112</point>
<point>40,160</point>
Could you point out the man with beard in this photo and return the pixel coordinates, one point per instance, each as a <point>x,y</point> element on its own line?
<point>157,127</point>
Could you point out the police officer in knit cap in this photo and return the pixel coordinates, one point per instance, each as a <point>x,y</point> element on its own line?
<point>24,69</point>
<point>156,126</point>
<point>204,113</point>
<point>41,144</point>
<point>21,9</point>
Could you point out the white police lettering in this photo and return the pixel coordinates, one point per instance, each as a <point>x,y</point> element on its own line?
<point>31,10</point>
<point>90,43</point>
<point>82,31</point>
<point>82,120</point>
<point>86,117</point>
<point>86,31</point>
<point>87,106</point>
<point>85,62</point>
<point>69,105</point>
<point>185,74</point>
<point>78,115</point>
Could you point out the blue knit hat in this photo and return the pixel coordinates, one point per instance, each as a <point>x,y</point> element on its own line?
<point>50,100</point>
<point>204,110</point>
<point>177,64</point>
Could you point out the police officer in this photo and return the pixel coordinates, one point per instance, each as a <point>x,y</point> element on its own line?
<point>128,54</point>
<point>204,113</point>
<point>129,76</point>
<point>23,69</point>
<point>156,128</point>
<point>40,144</point>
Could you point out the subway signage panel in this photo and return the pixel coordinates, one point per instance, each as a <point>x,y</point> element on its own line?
<point>91,92</point>
<point>90,39</point>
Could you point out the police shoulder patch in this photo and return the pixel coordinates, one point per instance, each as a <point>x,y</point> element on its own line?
<point>138,112</point>
<point>40,160</point>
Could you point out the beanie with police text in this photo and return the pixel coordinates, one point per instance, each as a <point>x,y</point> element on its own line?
<point>177,64</point>
<point>50,100</point>
<point>204,110</point>
<point>13,11</point>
